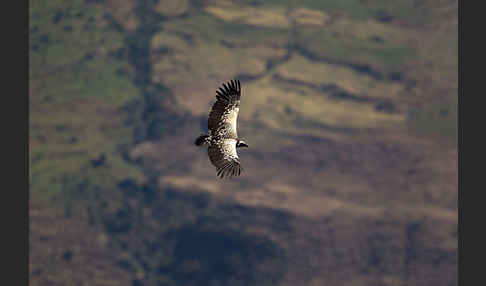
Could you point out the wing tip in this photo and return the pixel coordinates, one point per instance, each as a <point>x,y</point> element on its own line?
<point>229,89</point>
<point>229,171</point>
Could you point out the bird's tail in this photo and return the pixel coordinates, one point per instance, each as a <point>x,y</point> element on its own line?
<point>203,138</point>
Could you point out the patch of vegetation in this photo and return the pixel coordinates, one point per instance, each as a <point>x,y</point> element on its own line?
<point>353,8</point>
<point>123,11</point>
<point>78,93</point>
<point>205,60</point>
<point>440,54</point>
<point>207,257</point>
<point>275,17</point>
<point>401,12</point>
<point>409,13</point>
<point>438,118</point>
<point>172,8</point>
<point>355,42</point>
<point>304,110</point>
<point>215,30</point>
<point>321,75</point>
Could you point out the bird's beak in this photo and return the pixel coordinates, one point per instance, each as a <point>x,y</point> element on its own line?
<point>244,145</point>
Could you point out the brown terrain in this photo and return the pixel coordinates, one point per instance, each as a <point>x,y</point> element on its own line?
<point>349,108</point>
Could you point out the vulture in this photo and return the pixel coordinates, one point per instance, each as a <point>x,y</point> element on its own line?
<point>222,139</point>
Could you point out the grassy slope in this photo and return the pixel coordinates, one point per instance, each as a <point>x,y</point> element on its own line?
<point>77,95</point>
<point>310,69</point>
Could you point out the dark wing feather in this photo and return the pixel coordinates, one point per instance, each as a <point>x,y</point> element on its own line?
<point>224,157</point>
<point>224,113</point>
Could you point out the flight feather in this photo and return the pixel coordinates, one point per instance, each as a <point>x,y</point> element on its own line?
<point>223,116</point>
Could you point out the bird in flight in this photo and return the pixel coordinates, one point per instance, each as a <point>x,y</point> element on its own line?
<point>222,140</point>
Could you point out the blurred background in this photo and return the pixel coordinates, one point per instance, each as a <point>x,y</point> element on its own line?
<point>349,108</point>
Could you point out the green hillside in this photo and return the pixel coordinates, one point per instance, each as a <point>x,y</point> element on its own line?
<point>349,108</point>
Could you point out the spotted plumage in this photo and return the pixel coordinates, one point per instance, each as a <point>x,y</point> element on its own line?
<point>222,140</point>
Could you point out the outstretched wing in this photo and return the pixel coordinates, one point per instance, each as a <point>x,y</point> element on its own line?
<point>224,113</point>
<point>224,157</point>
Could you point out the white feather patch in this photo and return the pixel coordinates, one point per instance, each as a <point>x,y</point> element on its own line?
<point>229,147</point>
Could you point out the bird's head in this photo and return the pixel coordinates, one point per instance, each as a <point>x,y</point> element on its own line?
<point>241,143</point>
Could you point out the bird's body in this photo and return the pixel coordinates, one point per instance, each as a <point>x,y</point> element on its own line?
<point>222,140</point>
